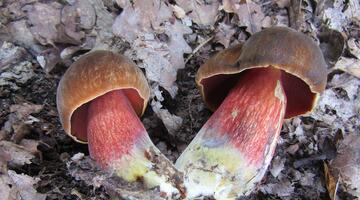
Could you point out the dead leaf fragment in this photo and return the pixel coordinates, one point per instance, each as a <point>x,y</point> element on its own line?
<point>277,165</point>
<point>178,11</point>
<point>201,12</point>
<point>354,47</point>
<point>25,109</point>
<point>250,16</point>
<point>224,32</point>
<point>283,188</point>
<point>349,65</point>
<point>16,154</point>
<point>346,165</point>
<point>44,18</point>
<point>156,40</point>
<point>332,183</point>
<point>23,186</point>
<point>340,110</point>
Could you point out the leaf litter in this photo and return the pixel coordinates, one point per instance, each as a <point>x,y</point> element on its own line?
<point>41,38</point>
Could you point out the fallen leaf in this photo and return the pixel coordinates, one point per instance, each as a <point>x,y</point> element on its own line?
<point>282,3</point>
<point>17,154</point>
<point>354,47</point>
<point>201,12</point>
<point>44,18</point>
<point>25,109</point>
<point>23,186</point>
<point>142,17</point>
<point>346,165</point>
<point>156,40</point>
<point>11,55</point>
<point>223,34</point>
<point>277,165</point>
<point>283,188</point>
<point>307,179</point>
<point>349,65</point>
<point>250,16</point>
<point>332,183</point>
<point>178,11</point>
<point>335,18</point>
<point>338,105</point>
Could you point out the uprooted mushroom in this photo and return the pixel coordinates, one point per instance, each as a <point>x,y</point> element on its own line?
<point>99,99</point>
<point>277,74</point>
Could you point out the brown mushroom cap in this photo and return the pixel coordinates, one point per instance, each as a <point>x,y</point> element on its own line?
<point>279,47</point>
<point>93,75</point>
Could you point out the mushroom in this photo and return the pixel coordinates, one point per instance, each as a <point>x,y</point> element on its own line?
<point>99,99</point>
<point>278,73</point>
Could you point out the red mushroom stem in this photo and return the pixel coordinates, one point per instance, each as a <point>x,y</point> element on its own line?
<point>113,128</point>
<point>233,149</point>
<point>118,141</point>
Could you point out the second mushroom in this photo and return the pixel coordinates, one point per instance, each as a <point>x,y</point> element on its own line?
<point>99,99</point>
<point>277,74</point>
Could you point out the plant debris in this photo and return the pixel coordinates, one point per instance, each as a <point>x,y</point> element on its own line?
<point>169,40</point>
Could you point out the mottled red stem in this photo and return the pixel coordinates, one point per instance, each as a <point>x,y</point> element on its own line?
<point>112,127</point>
<point>252,114</point>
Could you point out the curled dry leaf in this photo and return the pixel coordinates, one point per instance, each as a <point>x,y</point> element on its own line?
<point>349,65</point>
<point>346,166</point>
<point>201,12</point>
<point>354,47</point>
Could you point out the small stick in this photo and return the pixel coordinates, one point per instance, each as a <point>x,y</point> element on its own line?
<point>198,48</point>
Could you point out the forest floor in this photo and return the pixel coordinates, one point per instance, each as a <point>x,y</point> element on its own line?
<point>169,40</point>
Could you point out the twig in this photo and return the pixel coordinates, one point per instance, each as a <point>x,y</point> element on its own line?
<point>198,48</point>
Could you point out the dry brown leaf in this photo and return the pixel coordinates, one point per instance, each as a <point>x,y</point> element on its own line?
<point>25,109</point>
<point>44,18</point>
<point>331,182</point>
<point>201,12</point>
<point>250,16</point>
<point>346,165</point>
<point>178,11</point>
<point>156,40</point>
<point>77,16</point>
<point>141,17</point>
<point>282,3</point>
